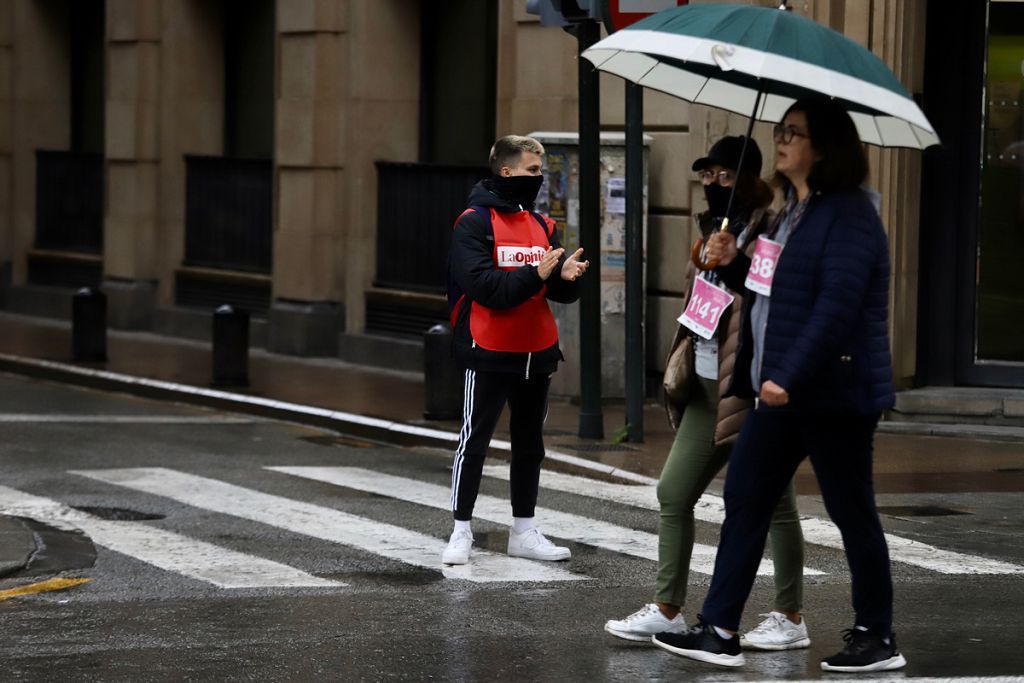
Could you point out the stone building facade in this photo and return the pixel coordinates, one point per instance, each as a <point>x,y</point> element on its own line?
<point>219,151</point>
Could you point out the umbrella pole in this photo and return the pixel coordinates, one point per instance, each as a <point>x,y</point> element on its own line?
<point>743,155</point>
<point>698,252</point>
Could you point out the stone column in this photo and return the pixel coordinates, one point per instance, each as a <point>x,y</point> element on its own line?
<point>191,119</point>
<point>132,151</point>
<point>898,33</point>
<point>6,147</point>
<point>40,71</point>
<point>309,151</point>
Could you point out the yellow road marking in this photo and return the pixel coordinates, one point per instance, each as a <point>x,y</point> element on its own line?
<point>41,587</point>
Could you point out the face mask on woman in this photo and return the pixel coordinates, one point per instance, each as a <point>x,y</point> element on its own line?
<point>718,199</point>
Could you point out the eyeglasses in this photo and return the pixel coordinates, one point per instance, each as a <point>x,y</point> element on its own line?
<point>723,177</point>
<point>785,134</point>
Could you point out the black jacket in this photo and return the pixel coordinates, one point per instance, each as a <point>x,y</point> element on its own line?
<point>827,340</point>
<point>472,269</point>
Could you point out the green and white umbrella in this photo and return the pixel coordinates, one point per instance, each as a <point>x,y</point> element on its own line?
<point>757,61</point>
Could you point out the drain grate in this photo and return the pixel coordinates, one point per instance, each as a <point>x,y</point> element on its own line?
<point>117,514</point>
<point>919,511</point>
<point>337,441</point>
<point>595,448</point>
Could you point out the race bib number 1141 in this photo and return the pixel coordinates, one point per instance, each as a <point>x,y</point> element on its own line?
<point>708,303</point>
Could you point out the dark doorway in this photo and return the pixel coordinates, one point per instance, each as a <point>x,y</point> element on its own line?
<point>458,76</point>
<point>972,233</point>
<point>249,79</point>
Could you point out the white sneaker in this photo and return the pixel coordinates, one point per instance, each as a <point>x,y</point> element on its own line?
<point>457,551</point>
<point>644,623</point>
<point>532,545</point>
<point>777,632</point>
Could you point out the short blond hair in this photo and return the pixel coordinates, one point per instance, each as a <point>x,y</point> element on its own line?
<point>508,150</point>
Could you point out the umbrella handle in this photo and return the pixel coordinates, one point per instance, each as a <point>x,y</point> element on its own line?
<point>698,255</point>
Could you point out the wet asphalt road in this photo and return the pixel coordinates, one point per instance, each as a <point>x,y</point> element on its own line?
<point>392,620</point>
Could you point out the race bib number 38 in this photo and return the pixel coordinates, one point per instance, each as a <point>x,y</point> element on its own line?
<point>762,266</point>
<point>707,304</point>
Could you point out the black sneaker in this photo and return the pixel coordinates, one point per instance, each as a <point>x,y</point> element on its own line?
<point>865,651</point>
<point>702,642</point>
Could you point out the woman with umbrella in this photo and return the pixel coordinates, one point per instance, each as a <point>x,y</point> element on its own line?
<point>815,351</point>
<point>707,425</point>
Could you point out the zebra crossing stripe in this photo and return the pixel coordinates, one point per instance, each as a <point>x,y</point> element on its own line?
<point>817,531</point>
<point>554,523</point>
<point>326,524</point>
<point>164,549</point>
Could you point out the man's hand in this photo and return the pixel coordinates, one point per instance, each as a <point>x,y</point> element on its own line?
<point>573,267</point>
<point>721,247</point>
<point>548,262</point>
<point>773,395</point>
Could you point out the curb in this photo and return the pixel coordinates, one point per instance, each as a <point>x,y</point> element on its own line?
<point>352,424</point>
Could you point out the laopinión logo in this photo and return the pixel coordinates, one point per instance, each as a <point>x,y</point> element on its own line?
<point>519,256</point>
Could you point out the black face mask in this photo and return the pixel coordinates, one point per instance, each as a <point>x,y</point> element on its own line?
<point>518,189</point>
<point>718,199</point>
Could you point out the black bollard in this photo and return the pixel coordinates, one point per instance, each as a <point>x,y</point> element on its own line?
<point>442,381</point>
<point>89,326</point>
<point>230,347</point>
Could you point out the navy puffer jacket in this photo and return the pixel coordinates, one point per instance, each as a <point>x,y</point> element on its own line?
<point>827,340</point>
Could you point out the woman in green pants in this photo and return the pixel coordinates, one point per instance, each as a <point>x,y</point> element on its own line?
<point>698,372</point>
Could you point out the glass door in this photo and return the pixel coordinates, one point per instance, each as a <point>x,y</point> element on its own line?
<point>999,322</point>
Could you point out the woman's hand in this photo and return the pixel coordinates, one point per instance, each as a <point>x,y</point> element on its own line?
<point>721,248</point>
<point>773,395</point>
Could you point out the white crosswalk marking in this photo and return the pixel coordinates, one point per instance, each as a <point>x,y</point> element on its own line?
<point>164,549</point>
<point>325,523</point>
<point>821,532</point>
<point>558,524</point>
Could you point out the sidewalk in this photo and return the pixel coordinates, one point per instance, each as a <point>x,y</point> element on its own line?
<point>388,405</point>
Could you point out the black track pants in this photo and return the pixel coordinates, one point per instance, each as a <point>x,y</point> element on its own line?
<point>486,394</point>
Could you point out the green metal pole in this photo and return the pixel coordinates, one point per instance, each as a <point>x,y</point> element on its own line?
<point>591,420</point>
<point>635,391</point>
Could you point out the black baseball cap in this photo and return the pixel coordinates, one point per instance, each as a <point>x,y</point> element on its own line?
<point>726,153</point>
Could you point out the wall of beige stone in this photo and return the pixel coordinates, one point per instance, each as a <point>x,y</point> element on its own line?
<point>41,109</point>
<point>132,125</point>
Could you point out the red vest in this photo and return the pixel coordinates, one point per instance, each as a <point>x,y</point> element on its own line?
<point>529,327</point>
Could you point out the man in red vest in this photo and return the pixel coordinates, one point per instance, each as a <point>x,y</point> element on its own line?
<point>504,264</point>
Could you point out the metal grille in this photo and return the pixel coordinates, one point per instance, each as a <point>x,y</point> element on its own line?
<point>918,511</point>
<point>401,320</point>
<point>69,201</point>
<point>417,205</point>
<point>228,220</point>
<point>58,272</point>
<point>595,447</point>
<point>210,292</point>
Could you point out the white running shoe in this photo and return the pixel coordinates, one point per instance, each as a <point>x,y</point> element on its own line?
<point>777,632</point>
<point>532,545</point>
<point>457,551</point>
<point>644,623</point>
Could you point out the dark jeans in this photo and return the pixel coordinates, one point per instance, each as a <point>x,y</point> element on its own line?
<point>771,445</point>
<point>486,394</point>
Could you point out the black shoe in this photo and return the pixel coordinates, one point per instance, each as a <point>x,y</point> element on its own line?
<point>865,651</point>
<point>702,642</point>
